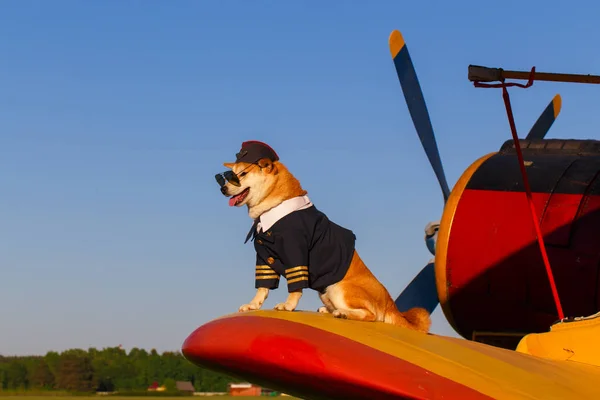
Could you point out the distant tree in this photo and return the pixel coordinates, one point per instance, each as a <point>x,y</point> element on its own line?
<point>139,359</point>
<point>16,375</point>
<point>107,369</point>
<point>105,385</point>
<point>2,373</point>
<point>154,367</point>
<point>52,358</point>
<point>75,373</point>
<point>42,376</point>
<point>170,384</point>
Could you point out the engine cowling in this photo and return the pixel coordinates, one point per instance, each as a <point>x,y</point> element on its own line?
<point>490,275</point>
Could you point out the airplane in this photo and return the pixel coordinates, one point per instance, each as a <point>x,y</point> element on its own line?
<point>515,270</point>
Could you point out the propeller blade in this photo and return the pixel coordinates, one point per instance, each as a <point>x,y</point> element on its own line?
<point>416,105</point>
<point>420,292</point>
<point>546,119</point>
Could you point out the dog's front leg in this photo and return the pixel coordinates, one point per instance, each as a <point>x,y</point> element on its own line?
<point>258,300</point>
<point>291,302</point>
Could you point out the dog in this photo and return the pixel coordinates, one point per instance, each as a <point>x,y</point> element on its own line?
<point>294,239</point>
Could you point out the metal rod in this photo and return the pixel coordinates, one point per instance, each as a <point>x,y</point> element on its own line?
<point>486,74</point>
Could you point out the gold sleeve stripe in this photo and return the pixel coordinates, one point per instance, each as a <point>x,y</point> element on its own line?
<point>299,273</point>
<point>257,273</point>
<point>267,277</point>
<point>300,268</point>
<point>264,269</point>
<point>302,278</point>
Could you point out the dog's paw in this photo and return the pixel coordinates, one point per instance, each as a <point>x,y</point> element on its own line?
<point>323,310</point>
<point>247,307</point>
<point>284,307</point>
<point>340,314</point>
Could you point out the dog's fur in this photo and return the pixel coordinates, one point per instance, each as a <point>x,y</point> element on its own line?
<point>359,295</point>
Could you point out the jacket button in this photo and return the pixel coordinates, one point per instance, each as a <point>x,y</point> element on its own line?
<point>259,241</point>
<point>270,260</point>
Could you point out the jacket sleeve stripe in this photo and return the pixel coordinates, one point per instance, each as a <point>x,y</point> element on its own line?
<point>264,269</point>
<point>299,268</point>
<point>302,278</point>
<point>260,277</point>
<point>294,274</point>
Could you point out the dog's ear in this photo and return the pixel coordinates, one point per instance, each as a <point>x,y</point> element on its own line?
<point>228,165</point>
<point>267,165</point>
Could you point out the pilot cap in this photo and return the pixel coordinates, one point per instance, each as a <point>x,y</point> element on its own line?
<point>253,150</point>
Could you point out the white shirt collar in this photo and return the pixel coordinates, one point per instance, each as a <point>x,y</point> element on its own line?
<point>269,218</point>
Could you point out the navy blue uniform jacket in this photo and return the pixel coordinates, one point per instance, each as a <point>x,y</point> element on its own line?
<point>304,246</point>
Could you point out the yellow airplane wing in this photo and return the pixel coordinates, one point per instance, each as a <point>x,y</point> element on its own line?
<point>314,356</point>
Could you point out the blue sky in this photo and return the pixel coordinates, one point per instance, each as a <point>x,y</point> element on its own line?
<point>115,116</point>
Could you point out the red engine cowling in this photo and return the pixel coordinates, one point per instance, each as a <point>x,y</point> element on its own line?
<point>490,275</point>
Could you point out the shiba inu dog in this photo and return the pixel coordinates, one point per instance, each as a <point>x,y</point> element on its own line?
<point>292,238</point>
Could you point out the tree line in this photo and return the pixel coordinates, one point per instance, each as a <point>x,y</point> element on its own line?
<point>107,370</point>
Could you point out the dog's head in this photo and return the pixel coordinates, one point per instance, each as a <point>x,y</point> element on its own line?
<point>249,183</point>
<point>257,179</point>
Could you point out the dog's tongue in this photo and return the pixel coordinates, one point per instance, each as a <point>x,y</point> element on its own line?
<point>233,200</point>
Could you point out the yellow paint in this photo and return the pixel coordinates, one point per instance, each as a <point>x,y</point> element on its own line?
<point>441,248</point>
<point>396,43</point>
<point>498,373</point>
<point>556,104</point>
<point>572,341</point>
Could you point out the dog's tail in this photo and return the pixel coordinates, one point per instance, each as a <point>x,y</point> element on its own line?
<point>417,318</point>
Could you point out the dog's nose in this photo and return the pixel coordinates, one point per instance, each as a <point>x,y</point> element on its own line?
<point>224,190</point>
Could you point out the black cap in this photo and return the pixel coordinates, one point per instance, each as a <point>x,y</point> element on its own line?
<point>252,151</point>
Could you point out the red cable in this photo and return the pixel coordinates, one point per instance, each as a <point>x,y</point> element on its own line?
<point>538,231</point>
<point>530,200</point>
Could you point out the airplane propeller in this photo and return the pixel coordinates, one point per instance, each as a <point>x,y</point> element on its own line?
<point>416,105</point>
<point>546,119</point>
<point>422,291</point>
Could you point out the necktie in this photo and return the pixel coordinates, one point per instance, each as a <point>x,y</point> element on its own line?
<point>252,232</point>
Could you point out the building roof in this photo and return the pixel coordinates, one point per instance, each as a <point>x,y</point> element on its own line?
<point>243,385</point>
<point>185,386</point>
